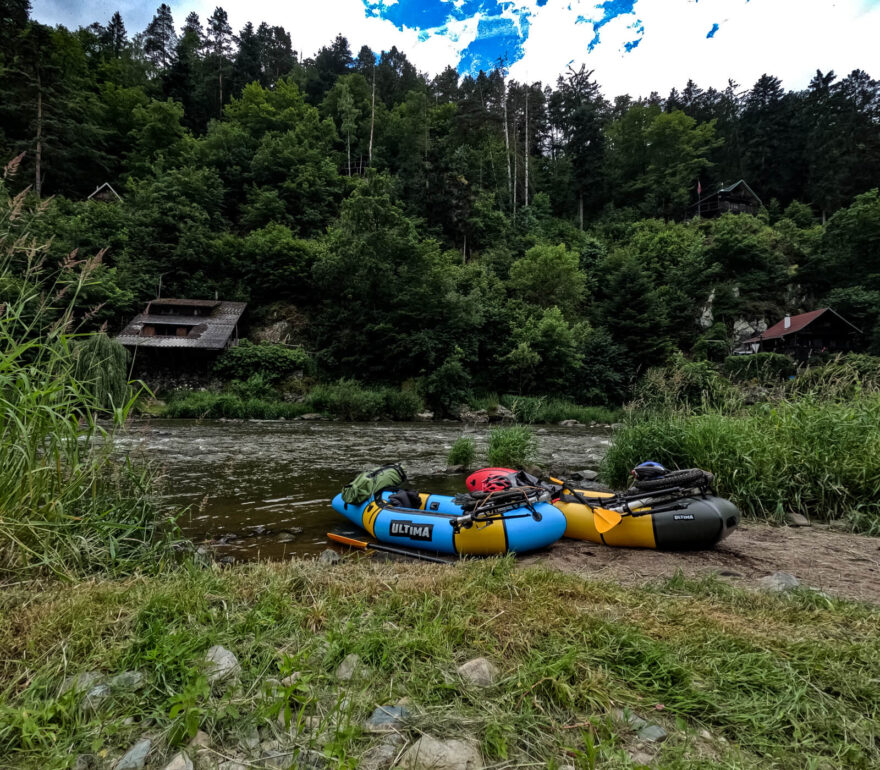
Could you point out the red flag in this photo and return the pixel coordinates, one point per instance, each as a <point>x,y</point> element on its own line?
<point>699,188</point>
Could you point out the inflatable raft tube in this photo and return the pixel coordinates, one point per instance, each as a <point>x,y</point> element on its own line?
<point>686,523</point>
<point>431,526</point>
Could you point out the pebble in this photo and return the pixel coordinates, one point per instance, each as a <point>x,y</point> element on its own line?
<point>779,582</point>
<point>653,733</point>
<point>797,520</point>
<point>329,556</point>
<point>386,719</point>
<point>286,537</point>
<point>350,668</point>
<point>179,761</point>
<point>136,757</point>
<point>429,753</point>
<point>128,680</point>
<point>222,665</point>
<point>81,682</point>
<point>641,758</point>
<point>479,672</point>
<point>94,698</point>
<point>382,756</point>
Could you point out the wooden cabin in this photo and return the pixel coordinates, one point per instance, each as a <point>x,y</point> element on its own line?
<point>105,193</point>
<point>802,336</point>
<point>737,198</point>
<point>183,333</point>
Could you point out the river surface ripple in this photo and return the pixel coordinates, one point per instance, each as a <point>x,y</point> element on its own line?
<point>233,476</point>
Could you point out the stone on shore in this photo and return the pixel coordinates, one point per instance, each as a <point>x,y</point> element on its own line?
<point>82,682</point>
<point>797,520</point>
<point>382,755</point>
<point>136,757</point>
<point>221,665</point>
<point>385,719</point>
<point>329,556</point>
<point>179,761</point>
<point>429,753</point>
<point>130,681</point>
<point>479,672</point>
<point>779,582</point>
<point>351,668</point>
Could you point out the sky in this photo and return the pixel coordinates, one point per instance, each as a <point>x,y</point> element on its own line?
<point>633,46</point>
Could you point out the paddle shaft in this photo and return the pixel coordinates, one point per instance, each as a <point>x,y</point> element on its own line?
<point>364,545</point>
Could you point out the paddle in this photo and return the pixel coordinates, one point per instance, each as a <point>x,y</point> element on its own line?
<point>604,518</point>
<point>365,545</point>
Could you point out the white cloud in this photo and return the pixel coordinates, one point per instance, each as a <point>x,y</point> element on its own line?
<point>788,39</point>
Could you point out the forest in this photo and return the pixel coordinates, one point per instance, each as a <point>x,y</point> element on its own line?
<point>473,235</point>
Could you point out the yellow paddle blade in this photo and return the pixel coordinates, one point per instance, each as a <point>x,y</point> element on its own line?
<point>556,481</point>
<point>605,519</point>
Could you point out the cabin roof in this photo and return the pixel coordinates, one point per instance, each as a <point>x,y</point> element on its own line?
<point>798,322</point>
<point>208,332</point>
<point>105,186</point>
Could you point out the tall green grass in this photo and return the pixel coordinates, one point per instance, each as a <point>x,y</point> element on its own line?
<point>463,452</point>
<point>345,399</point>
<point>818,458</point>
<point>543,409</point>
<point>66,505</point>
<point>513,447</point>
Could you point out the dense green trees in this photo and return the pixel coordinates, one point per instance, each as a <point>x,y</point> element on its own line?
<point>473,234</point>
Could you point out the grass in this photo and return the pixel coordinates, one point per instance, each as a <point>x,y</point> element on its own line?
<point>781,682</point>
<point>463,452</point>
<point>818,458</point>
<point>541,409</point>
<point>67,507</point>
<point>514,447</point>
<point>345,399</point>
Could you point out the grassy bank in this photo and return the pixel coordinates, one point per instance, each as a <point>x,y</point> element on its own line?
<point>782,682</point>
<point>818,458</point>
<point>349,400</point>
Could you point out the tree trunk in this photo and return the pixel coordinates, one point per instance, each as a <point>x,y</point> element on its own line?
<point>38,155</point>
<point>348,152</point>
<point>220,80</point>
<point>526,155</point>
<point>507,144</point>
<point>581,209</point>
<point>464,250</point>
<point>372,120</point>
<point>515,170</point>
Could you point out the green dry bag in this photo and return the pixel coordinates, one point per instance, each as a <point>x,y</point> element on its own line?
<point>369,483</point>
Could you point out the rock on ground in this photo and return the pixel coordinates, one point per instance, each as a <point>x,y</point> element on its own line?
<point>179,761</point>
<point>382,755</point>
<point>429,753</point>
<point>779,582</point>
<point>797,520</point>
<point>479,672</point>
<point>386,719</point>
<point>329,556</point>
<point>128,680</point>
<point>81,682</point>
<point>136,757</point>
<point>222,665</point>
<point>653,733</point>
<point>350,668</point>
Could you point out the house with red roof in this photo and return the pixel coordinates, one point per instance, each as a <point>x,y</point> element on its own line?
<point>802,336</point>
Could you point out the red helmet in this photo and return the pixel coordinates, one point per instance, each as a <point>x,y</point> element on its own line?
<point>496,483</point>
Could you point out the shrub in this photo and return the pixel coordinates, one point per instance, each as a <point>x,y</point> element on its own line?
<point>764,368</point>
<point>684,385</point>
<point>349,400</point>
<point>272,361</point>
<point>818,458</point>
<point>840,378</point>
<point>537,409</point>
<point>447,387</point>
<point>100,364</point>
<point>463,452</point>
<point>513,447</point>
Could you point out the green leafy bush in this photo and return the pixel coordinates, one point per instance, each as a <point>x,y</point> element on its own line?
<point>349,400</point>
<point>101,365</point>
<point>272,361</point>
<point>764,368</point>
<point>684,385</point>
<point>463,452</point>
<point>538,409</point>
<point>513,447</point>
<point>840,378</point>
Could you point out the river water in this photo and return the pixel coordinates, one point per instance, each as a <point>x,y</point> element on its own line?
<point>236,477</point>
